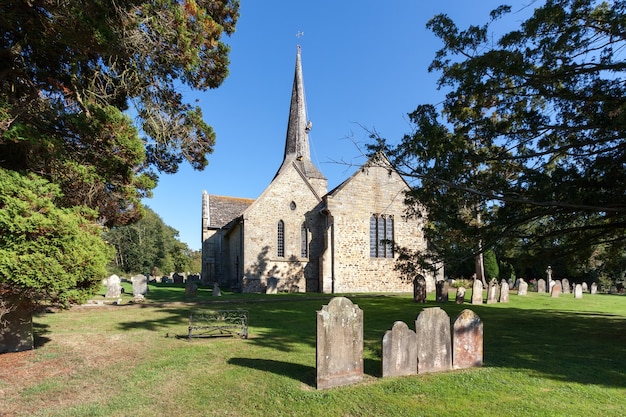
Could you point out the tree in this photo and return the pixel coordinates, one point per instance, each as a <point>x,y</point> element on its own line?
<point>70,69</point>
<point>530,136</point>
<point>47,254</point>
<point>149,245</point>
<point>492,270</point>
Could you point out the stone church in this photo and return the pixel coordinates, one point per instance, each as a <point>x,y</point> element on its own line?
<point>298,236</point>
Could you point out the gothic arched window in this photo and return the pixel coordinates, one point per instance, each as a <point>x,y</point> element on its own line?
<point>304,241</point>
<point>280,251</point>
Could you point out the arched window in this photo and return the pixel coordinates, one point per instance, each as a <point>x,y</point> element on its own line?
<point>389,237</point>
<point>304,241</point>
<point>381,236</point>
<point>373,236</point>
<point>280,251</point>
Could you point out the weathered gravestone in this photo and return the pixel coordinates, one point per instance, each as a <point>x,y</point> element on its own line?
<point>460,295</point>
<point>578,291</point>
<point>140,285</point>
<point>339,347</point>
<point>399,351</point>
<point>556,289</point>
<point>114,287</point>
<point>419,289</point>
<point>272,286</point>
<point>178,278</point>
<point>477,292</point>
<point>504,291</point>
<point>467,340</point>
<point>216,290</point>
<point>442,289</point>
<point>594,288</point>
<point>522,287</point>
<point>434,350</point>
<point>191,289</point>
<point>584,287</point>
<point>541,285</point>
<point>492,291</point>
<point>16,329</point>
<point>565,287</point>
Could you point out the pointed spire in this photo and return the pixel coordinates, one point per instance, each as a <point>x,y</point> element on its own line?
<point>297,142</point>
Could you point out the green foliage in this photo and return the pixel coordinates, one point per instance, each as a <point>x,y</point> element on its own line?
<point>149,246</point>
<point>68,72</point>
<point>490,263</point>
<point>47,254</point>
<point>528,149</point>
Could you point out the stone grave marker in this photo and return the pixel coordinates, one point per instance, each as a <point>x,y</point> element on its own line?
<point>585,287</point>
<point>477,292</point>
<point>522,288</point>
<point>339,347</point>
<point>565,287</point>
<point>216,290</point>
<point>434,350</point>
<point>114,287</point>
<point>16,333</point>
<point>272,286</point>
<point>467,340</point>
<point>504,292</point>
<point>419,289</point>
<point>178,278</point>
<point>594,288</point>
<point>492,291</point>
<point>191,289</point>
<point>399,351</point>
<point>442,289</point>
<point>460,295</point>
<point>556,289</point>
<point>578,291</point>
<point>140,285</point>
<point>541,285</point>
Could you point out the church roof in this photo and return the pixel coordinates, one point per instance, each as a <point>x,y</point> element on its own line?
<point>297,142</point>
<point>222,210</point>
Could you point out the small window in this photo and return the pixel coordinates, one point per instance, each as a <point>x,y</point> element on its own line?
<point>304,241</point>
<point>281,239</point>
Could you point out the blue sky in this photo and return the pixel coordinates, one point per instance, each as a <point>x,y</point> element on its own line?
<point>364,67</point>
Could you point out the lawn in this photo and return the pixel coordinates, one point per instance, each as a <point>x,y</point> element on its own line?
<point>543,356</point>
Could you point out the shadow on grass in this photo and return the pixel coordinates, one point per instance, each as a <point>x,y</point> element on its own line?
<point>296,371</point>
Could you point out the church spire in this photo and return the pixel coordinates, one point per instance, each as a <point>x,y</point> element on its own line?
<point>297,142</point>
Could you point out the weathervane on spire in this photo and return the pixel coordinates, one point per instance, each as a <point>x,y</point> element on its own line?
<point>299,34</point>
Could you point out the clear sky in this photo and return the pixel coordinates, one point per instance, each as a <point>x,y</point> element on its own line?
<point>364,66</point>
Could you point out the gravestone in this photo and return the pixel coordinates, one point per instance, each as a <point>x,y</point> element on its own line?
<point>178,278</point>
<point>584,287</point>
<point>522,288</point>
<point>541,285</point>
<point>399,351</point>
<point>140,285</point>
<point>16,332</point>
<point>272,286</point>
<point>556,289</point>
<point>565,287</point>
<point>460,295</point>
<point>492,291</point>
<point>477,292</point>
<point>114,287</point>
<point>191,289</point>
<point>594,288</point>
<point>578,291</point>
<point>216,290</point>
<point>504,292</point>
<point>339,347</point>
<point>419,289</point>
<point>434,350</point>
<point>467,340</point>
<point>442,289</point>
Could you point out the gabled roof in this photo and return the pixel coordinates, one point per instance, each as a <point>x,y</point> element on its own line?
<point>222,210</point>
<point>297,141</point>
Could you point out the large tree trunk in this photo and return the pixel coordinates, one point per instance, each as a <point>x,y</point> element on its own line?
<point>16,325</point>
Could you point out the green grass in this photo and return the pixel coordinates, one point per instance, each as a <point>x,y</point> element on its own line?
<point>542,357</point>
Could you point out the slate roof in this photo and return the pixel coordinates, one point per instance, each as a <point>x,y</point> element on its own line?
<point>222,210</point>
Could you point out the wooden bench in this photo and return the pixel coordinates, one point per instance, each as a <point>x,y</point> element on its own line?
<point>218,323</point>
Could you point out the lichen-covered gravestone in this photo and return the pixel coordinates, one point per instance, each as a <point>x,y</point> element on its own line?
<point>467,340</point>
<point>522,287</point>
<point>492,291</point>
<point>339,347</point>
<point>140,285</point>
<point>442,288</point>
<point>434,350</point>
<point>504,291</point>
<point>114,287</point>
<point>419,289</point>
<point>565,287</point>
<point>460,295</point>
<point>541,285</point>
<point>16,327</point>
<point>399,351</point>
<point>477,292</point>
<point>556,289</point>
